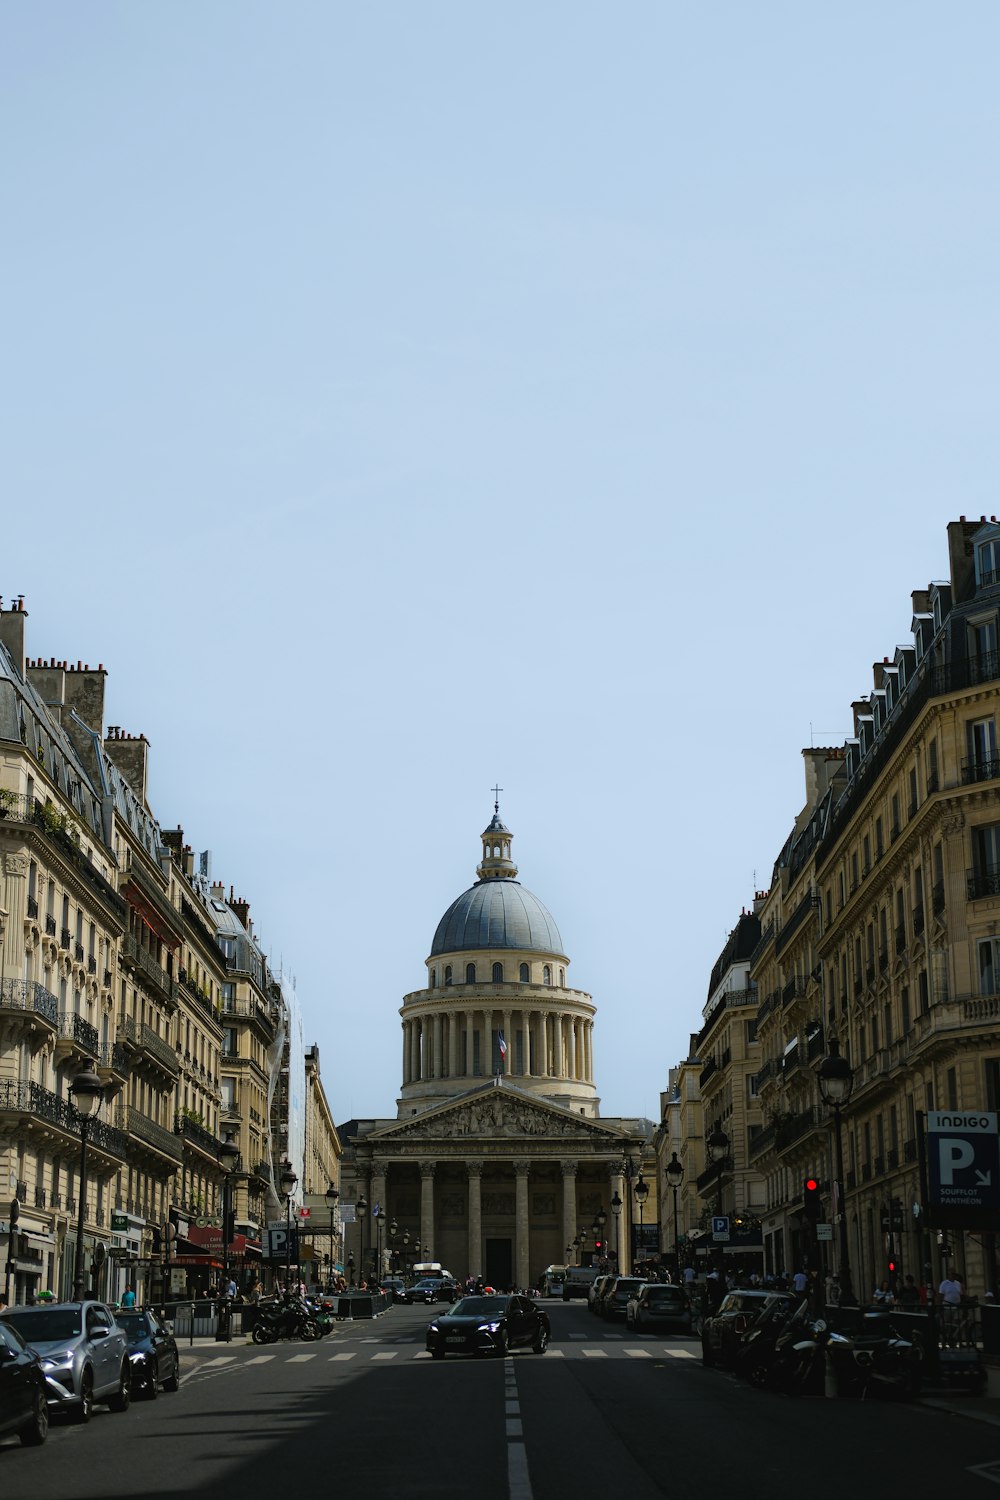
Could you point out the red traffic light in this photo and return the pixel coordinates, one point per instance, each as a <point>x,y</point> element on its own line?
<point>811,1185</point>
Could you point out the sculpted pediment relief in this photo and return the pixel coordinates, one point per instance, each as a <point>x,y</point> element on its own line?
<point>494,1115</point>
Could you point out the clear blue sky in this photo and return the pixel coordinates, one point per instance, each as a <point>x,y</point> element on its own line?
<point>402,397</point>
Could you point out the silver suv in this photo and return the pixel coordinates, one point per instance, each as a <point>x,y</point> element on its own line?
<point>84,1354</point>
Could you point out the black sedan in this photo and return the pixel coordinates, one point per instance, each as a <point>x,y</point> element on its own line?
<point>488,1325</point>
<point>152,1353</point>
<point>24,1406</point>
<point>723,1330</point>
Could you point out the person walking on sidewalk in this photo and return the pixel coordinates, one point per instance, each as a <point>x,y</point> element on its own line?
<point>950,1298</point>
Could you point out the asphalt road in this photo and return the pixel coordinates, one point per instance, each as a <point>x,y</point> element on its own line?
<point>366,1413</point>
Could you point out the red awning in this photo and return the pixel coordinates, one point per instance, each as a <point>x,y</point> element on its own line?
<point>208,1240</point>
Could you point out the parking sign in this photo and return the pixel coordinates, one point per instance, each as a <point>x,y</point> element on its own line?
<point>963,1169</point>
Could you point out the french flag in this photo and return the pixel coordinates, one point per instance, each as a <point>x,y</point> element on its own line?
<point>502,1046</point>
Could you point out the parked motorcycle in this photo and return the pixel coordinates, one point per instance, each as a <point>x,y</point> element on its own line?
<point>288,1318</point>
<point>796,1355</point>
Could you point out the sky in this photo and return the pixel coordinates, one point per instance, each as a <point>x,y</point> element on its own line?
<point>406,398</point>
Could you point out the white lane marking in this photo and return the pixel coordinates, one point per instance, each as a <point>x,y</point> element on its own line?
<point>223,1359</point>
<point>514,1428</point>
<point>551,1353</point>
<point>390,1355</point>
<point>300,1359</point>
<point>578,1335</point>
<point>638,1354</point>
<point>335,1357</point>
<point>614,1335</point>
<point>260,1359</point>
<point>518,1478</point>
<point>594,1353</point>
<point>680,1354</point>
<point>513,1408</point>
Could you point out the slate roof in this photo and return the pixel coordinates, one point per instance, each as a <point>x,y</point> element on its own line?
<point>497,914</point>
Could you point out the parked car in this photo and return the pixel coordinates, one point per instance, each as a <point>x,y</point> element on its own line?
<point>152,1353</point>
<point>596,1291</point>
<point>396,1288</point>
<point>24,1406</point>
<point>84,1355</point>
<point>659,1305</point>
<point>614,1298</point>
<point>722,1330</point>
<point>485,1325</point>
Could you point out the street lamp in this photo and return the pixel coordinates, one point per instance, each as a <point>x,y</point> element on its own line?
<point>378,1216</point>
<point>287,1182</point>
<point>836,1085</point>
<point>675,1176</point>
<point>600,1219</point>
<point>87,1091</point>
<point>641,1191</point>
<point>332,1194</point>
<point>616,1209</point>
<point>229,1156</point>
<point>393,1231</point>
<point>361,1208</point>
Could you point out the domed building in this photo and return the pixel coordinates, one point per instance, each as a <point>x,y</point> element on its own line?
<point>497,1161</point>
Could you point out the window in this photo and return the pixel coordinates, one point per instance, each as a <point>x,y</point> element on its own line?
<point>854,871</point>
<point>470,973</point>
<point>951,1084</point>
<point>894,816</point>
<point>447,973</point>
<point>932,766</point>
<point>988,563</point>
<point>982,745</point>
<point>229,1039</point>
<point>498,973</point>
<point>989,966</point>
<point>992,1069</point>
<point>879,841</point>
<point>562,978</point>
<point>434,979</point>
<point>866,860</point>
<point>904,1008</point>
<point>914,795</point>
<point>546,975</point>
<point>750,1028</point>
<point>525,974</point>
<point>985,860</point>
<point>923,993</point>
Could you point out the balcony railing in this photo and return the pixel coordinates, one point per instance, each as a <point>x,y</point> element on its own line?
<point>794,1127</point>
<point>152,1043</point>
<point>980,883</point>
<point>128,1031</point>
<point>154,1135</point>
<point>191,1130</point>
<point>808,906</point>
<point>50,926</point>
<point>148,966</point>
<point>77,1030</point>
<point>32,907</point>
<point>976,769</point>
<point>26,994</point>
<point>710,1067</point>
<point>115,1057</point>
<point>32,1099</point>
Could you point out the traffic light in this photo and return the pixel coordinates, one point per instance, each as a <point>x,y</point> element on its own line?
<point>892,1268</point>
<point>811,1198</point>
<point>229,1228</point>
<point>598,1246</point>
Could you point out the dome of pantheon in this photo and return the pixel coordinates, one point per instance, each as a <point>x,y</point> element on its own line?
<point>497,966</point>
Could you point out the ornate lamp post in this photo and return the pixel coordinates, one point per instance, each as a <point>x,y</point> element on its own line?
<point>836,1084</point>
<point>361,1209</point>
<point>600,1219</point>
<point>229,1156</point>
<point>641,1191</point>
<point>87,1091</point>
<point>332,1194</point>
<point>393,1231</point>
<point>675,1176</point>
<point>616,1209</point>
<point>287,1183</point>
<point>378,1215</point>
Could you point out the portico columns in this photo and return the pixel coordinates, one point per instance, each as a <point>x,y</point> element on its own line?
<point>452,1045</point>
<point>508,1036</point>
<point>622,1225</point>
<point>522,1170</point>
<point>569,1203</point>
<point>438,1046</point>
<point>427,1209</point>
<point>475,1171</point>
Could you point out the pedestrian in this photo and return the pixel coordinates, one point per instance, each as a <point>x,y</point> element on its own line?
<point>909,1295</point>
<point>833,1290</point>
<point>882,1296</point>
<point>128,1296</point>
<point>950,1298</point>
<point>231,1288</point>
<point>800,1281</point>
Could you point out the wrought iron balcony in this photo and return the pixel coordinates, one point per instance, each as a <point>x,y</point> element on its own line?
<point>158,1048</point>
<point>148,967</point>
<point>80,1032</point>
<point>26,994</point>
<point>32,907</point>
<point>977,769</point>
<point>985,882</point>
<point>146,1130</point>
<point>196,1133</point>
<point>50,926</point>
<point>31,1099</point>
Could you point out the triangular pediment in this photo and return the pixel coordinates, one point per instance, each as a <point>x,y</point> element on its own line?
<point>499,1110</point>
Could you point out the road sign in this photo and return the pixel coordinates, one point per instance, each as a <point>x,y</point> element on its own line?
<point>963,1169</point>
<point>720,1227</point>
<point>277,1246</point>
<point>824,1231</point>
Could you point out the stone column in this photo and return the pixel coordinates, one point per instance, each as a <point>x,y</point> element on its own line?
<point>508,1036</point>
<point>621,1223</point>
<point>452,1044</point>
<point>569,1204</point>
<point>377,1230</point>
<point>414,1051</point>
<point>438,1047</point>
<point>13,910</point>
<point>522,1257</point>
<point>406,1052</point>
<point>468,1044</point>
<point>475,1171</point>
<point>427,1209</point>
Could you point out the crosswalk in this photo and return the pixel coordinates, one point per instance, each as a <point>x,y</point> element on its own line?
<point>406,1350</point>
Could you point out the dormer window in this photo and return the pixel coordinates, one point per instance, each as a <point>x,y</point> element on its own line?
<point>988,563</point>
